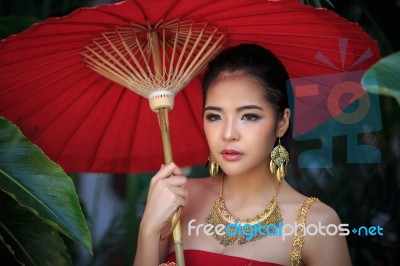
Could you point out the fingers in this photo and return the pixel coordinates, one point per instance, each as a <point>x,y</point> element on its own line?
<point>176,181</point>
<point>165,172</point>
<point>176,197</point>
<point>167,183</point>
<point>182,194</point>
<point>166,194</point>
<point>164,183</point>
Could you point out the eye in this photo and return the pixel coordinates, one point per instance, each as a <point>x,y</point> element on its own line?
<point>213,117</point>
<point>250,117</point>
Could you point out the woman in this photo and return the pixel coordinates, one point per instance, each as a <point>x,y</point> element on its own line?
<point>246,118</point>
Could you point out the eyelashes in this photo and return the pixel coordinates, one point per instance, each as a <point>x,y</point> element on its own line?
<point>251,117</point>
<point>246,117</point>
<point>213,117</point>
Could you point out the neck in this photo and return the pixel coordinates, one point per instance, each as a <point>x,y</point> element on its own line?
<point>256,185</point>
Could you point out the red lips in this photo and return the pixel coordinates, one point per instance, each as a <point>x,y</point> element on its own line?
<point>231,155</point>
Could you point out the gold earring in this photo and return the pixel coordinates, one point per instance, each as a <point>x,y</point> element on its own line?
<point>213,166</point>
<point>279,161</point>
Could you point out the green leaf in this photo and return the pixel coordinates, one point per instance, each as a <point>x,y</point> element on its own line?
<point>28,238</point>
<point>330,3</point>
<point>384,77</point>
<point>40,185</point>
<point>317,3</point>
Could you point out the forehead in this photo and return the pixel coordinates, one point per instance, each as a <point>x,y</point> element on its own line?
<point>231,89</point>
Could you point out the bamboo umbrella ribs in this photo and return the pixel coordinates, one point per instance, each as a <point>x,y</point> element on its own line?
<point>156,62</point>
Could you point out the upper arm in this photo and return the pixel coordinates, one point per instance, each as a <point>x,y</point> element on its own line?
<point>325,248</point>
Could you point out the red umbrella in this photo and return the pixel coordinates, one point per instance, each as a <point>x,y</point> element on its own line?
<point>87,123</point>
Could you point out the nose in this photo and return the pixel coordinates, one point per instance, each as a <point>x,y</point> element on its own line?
<point>230,131</point>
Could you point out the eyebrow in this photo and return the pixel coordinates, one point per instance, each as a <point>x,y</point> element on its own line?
<point>245,107</point>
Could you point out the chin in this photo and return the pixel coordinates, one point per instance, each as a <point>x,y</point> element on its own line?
<point>233,170</point>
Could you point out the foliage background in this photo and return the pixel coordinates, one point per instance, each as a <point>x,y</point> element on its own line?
<point>363,194</point>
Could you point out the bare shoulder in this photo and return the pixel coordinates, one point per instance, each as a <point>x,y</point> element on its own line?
<point>320,246</point>
<point>320,212</point>
<point>317,210</point>
<point>329,239</point>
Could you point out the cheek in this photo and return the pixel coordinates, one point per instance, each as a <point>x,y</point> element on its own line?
<point>263,136</point>
<point>208,132</point>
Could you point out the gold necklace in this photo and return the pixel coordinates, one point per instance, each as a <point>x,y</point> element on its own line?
<point>244,230</point>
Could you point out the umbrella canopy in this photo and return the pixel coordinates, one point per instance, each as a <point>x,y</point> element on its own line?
<point>87,123</point>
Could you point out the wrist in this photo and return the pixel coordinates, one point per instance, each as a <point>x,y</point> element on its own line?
<point>148,230</point>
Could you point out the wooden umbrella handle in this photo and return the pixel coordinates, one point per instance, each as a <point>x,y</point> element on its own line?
<point>162,114</point>
<point>174,222</point>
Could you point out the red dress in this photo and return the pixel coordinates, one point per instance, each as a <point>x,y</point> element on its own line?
<point>205,258</point>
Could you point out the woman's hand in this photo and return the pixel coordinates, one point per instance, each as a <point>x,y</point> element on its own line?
<point>166,194</point>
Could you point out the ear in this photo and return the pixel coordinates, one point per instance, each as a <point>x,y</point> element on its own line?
<point>283,123</point>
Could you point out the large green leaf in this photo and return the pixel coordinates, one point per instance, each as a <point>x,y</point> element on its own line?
<point>40,185</point>
<point>28,238</point>
<point>384,77</point>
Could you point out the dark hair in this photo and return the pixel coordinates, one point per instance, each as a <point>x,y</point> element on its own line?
<point>254,61</point>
